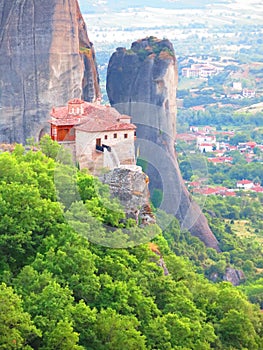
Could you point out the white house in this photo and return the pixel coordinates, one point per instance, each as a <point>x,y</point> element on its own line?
<point>245,184</point>
<point>207,143</point>
<point>201,70</point>
<point>237,85</point>
<point>249,93</point>
<point>206,147</point>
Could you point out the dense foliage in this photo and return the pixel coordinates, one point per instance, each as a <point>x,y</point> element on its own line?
<point>196,164</point>
<point>60,291</point>
<point>236,220</point>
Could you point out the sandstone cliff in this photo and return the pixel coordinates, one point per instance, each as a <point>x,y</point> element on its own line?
<point>142,82</point>
<point>130,185</point>
<point>46,59</point>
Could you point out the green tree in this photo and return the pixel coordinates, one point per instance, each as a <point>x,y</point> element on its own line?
<point>118,332</point>
<point>49,147</point>
<point>237,330</point>
<point>84,320</point>
<point>63,337</point>
<point>17,330</point>
<point>158,336</point>
<point>25,220</point>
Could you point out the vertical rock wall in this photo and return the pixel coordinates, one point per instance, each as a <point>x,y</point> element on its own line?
<point>142,82</point>
<point>46,59</point>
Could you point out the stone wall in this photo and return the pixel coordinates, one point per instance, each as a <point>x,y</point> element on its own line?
<point>122,149</point>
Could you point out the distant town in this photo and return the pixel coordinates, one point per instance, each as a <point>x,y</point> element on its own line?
<point>217,147</point>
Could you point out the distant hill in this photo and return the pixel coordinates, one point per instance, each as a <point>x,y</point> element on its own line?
<point>112,5</point>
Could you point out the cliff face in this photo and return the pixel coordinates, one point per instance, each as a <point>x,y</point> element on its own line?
<point>46,59</point>
<point>130,185</point>
<point>142,82</point>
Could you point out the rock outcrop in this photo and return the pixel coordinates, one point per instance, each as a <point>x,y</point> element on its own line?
<point>46,59</point>
<point>130,185</point>
<point>234,276</point>
<point>142,82</point>
<point>155,249</point>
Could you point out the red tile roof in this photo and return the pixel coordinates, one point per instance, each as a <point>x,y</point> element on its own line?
<point>206,144</point>
<point>229,193</point>
<point>220,160</point>
<point>96,124</point>
<point>257,189</point>
<point>198,108</point>
<point>251,144</point>
<point>195,183</point>
<point>210,190</point>
<point>66,120</point>
<point>244,182</point>
<point>75,101</point>
<point>94,118</point>
<point>186,137</point>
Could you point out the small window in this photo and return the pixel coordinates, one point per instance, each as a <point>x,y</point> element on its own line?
<point>114,136</point>
<point>125,136</point>
<point>134,133</point>
<point>105,137</point>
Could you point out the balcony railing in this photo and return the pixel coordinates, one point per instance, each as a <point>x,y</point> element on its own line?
<point>107,147</point>
<point>101,148</point>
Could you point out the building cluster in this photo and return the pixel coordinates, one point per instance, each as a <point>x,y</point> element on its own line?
<point>203,137</point>
<point>244,93</point>
<point>240,92</point>
<point>200,70</point>
<point>199,188</point>
<point>98,136</point>
<point>205,141</point>
<point>249,93</point>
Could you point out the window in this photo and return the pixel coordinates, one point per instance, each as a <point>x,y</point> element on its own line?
<point>125,136</point>
<point>63,134</point>
<point>114,136</point>
<point>105,137</point>
<point>134,133</point>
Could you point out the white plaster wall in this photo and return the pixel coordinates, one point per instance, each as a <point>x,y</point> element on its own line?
<point>123,147</point>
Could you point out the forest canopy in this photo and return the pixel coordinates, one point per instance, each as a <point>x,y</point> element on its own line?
<point>58,290</point>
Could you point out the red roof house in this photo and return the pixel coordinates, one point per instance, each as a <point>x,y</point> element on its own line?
<point>91,128</point>
<point>221,160</point>
<point>245,184</point>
